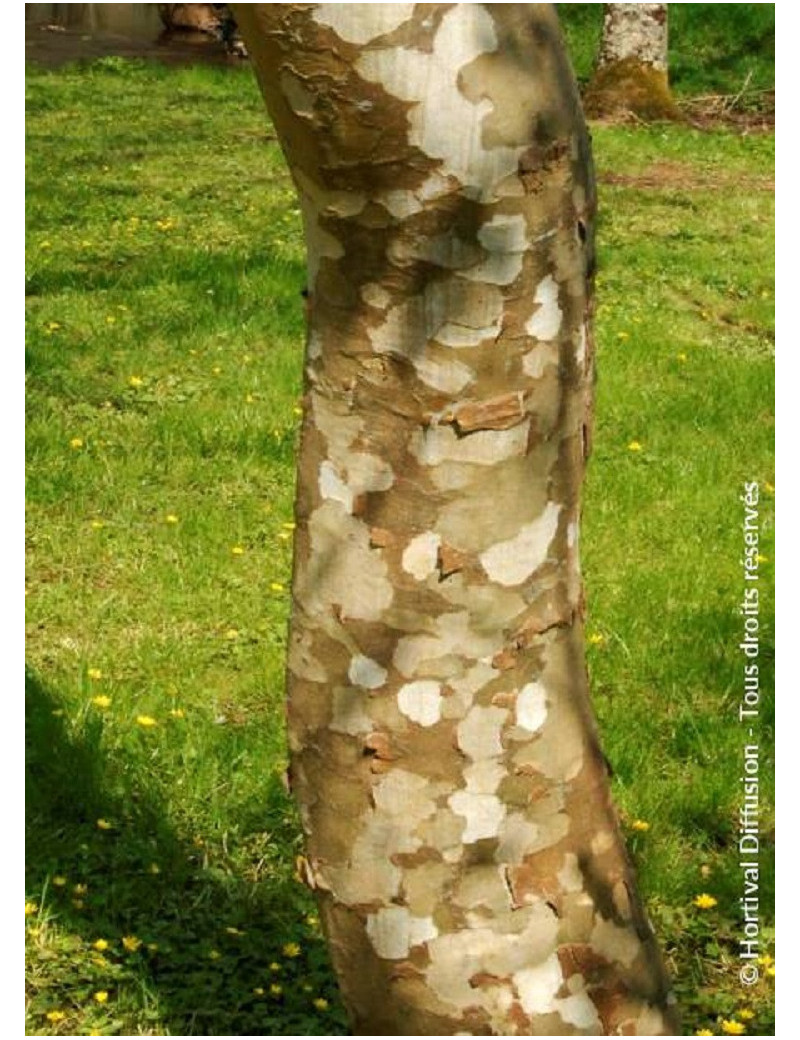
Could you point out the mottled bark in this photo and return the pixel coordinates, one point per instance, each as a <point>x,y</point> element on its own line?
<point>631,74</point>
<point>460,838</point>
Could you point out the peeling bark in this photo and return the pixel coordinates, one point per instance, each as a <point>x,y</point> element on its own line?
<point>460,837</point>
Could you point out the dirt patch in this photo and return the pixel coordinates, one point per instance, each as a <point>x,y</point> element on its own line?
<point>55,45</point>
<point>683,177</point>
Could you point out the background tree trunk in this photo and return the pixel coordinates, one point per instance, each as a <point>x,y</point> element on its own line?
<point>461,842</point>
<point>632,71</point>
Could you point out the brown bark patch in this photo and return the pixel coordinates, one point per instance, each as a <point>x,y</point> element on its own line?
<point>630,86</point>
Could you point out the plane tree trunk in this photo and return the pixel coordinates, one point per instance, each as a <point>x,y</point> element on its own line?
<point>460,837</point>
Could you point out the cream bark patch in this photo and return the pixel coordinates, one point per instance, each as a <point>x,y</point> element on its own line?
<point>421,701</point>
<point>420,555</point>
<point>545,322</point>
<point>393,931</point>
<point>363,671</point>
<point>512,561</point>
<point>360,23</point>
<point>531,706</point>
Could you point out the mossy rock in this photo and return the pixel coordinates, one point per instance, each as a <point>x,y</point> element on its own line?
<point>630,87</point>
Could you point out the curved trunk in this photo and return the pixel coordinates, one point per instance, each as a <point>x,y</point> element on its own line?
<point>460,838</point>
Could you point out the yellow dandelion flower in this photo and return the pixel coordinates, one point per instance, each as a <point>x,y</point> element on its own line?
<point>595,639</point>
<point>634,446</point>
<point>276,989</point>
<point>101,945</point>
<point>747,1014</point>
<point>246,358</point>
<point>46,245</point>
<point>259,991</point>
<point>297,411</point>
<point>59,881</point>
<point>705,870</point>
<point>762,558</point>
<point>80,889</point>
<point>640,825</point>
<point>704,901</point>
<point>76,442</point>
<point>623,335</point>
<point>135,381</point>
<point>312,921</point>
<point>232,633</point>
<point>152,947</point>
<point>94,673</point>
<point>100,962</point>
<point>53,326</point>
<point>768,488</point>
<point>101,996</point>
<point>277,587</point>
<point>104,825</point>
<point>214,955</point>
<point>320,1003</point>
<point>177,713</point>
<point>170,518</point>
<point>96,525</point>
<point>770,971</point>
<point>30,908</point>
<point>217,369</point>
<point>237,550</point>
<point>146,721</point>
<point>291,949</point>
<point>130,943</point>
<point>101,702</point>
<point>284,535</point>
<point>765,960</point>
<point>731,1027</point>
<point>55,1016</point>
<point>289,525</point>
<point>683,358</point>
<point>274,966</point>
<point>111,319</point>
<point>703,1032</point>
<point>248,398</point>
<point>154,869</point>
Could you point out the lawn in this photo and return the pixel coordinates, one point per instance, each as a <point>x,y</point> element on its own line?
<point>164,352</point>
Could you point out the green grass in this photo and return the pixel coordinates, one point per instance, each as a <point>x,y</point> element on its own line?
<point>164,340</point>
<point>713,48</point>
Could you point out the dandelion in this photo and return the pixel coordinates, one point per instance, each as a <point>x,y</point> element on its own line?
<point>94,673</point>
<point>135,381</point>
<point>274,966</point>
<point>320,1003</point>
<point>217,369</point>
<point>284,535</point>
<point>101,996</point>
<point>762,558</point>
<point>55,1016</point>
<point>640,825</point>
<point>103,825</point>
<point>111,319</point>
<point>154,869</point>
<point>177,713</point>
<point>765,961</point>
<point>101,945</point>
<point>705,870</point>
<point>146,721</point>
<point>634,446</point>
<point>291,949</point>
<point>596,639</point>
<point>623,335</point>
<point>46,245</point>
<point>289,525</point>
<point>312,921</point>
<point>277,587</point>
<point>237,550</point>
<point>259,991</point>
<point>747,1014</point>
<point>75,443</point>
<point>683,359</point>
<point>704,901</point>
<point>770,971</point>
<point>152,947</point>
<point>768,488</point>
<point>96,525</point>
<point>276,989</point>
<point>30,908</point>
<point>52,326</point>
<point>170,518</point>
<point>249,399</point>
<point>80,889</point>
<point>703,1032</point>
<point>214,955</point>
<point>731,1027</point>
<point>130,943</point>
<point>232,633</point>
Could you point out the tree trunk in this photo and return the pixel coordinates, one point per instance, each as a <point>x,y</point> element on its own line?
<point>631,73</point>
<point>461,842</point>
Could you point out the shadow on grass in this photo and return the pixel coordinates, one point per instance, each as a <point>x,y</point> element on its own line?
<point>203,939</point>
